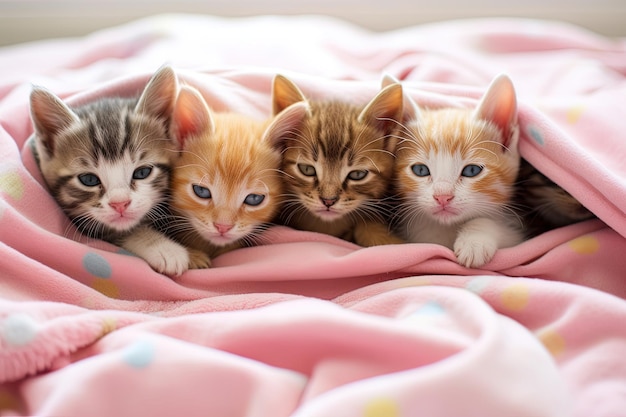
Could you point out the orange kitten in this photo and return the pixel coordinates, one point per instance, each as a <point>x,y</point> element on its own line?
<point>455,175</point>
<point>226,184</point>
<point>338,164</point>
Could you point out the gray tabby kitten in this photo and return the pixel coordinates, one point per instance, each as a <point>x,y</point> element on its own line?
<point>108,163</point>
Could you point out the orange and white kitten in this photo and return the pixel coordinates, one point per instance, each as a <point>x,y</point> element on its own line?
<point>455,175</point>
<point>338,164</point>
<point>226,184</point>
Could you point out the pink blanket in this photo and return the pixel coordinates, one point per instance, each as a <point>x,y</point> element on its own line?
<point>309,325</point>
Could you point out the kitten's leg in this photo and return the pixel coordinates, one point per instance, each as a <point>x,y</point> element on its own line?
<point>479,239</point>
<point>160,252</point>
<point>374,234</point>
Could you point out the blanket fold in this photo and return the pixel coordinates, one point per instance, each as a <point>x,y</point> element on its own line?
<point>307,324</point>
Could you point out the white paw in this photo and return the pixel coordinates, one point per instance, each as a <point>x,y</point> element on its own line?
<point>474,250</point>
<point>167,257</point>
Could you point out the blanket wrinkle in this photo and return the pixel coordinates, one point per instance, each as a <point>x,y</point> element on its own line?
<point>306,324</point>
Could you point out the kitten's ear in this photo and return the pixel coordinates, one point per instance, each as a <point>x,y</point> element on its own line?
<point>388,80</point>
<point>50,115</point>
<point>191,116</point>
<point>159,95</point>
<point>499,106</point>
<point>385,110</point>
<point>284,94</point>
<point>285,124</point>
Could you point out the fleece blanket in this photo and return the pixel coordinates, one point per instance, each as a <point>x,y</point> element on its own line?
<point>309,325</point>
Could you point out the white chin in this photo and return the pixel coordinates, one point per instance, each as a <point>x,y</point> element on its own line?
<point>328,216</point>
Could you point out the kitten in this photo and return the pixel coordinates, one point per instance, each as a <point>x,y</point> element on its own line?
<point>543,204</point>
<point>226,183</point>
<point>107,164</point>
<point>338,164</point>
<point>455,175</point>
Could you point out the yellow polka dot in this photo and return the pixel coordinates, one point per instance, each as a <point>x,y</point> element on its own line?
<point>106,287</point>
<point>574,113</point>
<point>12,185</point>
<point>515,297</point>
<point>382,407</point>
<point>109,324</point>
<point>585,245</point>
<point>553,341</point>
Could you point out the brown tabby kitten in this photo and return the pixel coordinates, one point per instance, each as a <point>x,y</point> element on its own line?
<point>226,184</point>
<point>338,164</point>
<point>108,163</point>
<point>543,204</point>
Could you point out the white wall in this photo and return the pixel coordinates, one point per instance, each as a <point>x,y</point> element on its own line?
<point>25,20</point>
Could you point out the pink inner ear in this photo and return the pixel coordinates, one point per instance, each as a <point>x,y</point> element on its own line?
<point>499,106</point>
<point>191,115</point>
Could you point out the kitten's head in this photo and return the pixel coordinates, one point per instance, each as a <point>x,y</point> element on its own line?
<point>541,197</point>
<point>107,163</point>
<point>226,181</point>
<point>457,164</point>
<point>340,159</point>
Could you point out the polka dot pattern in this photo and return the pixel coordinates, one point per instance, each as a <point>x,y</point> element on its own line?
<point>12,185</point>
<point>382,407</point>
<point>585,245</point>
<point>536,135</point>
<point>18,329</point>
<point>106,287</point>
<point>553,341</point>
<point>515,296</point>
<point>140,354</point>
<point>97,265</point>
<point>574,114</point>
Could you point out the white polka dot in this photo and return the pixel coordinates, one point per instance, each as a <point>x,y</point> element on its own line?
<point>18,329</point>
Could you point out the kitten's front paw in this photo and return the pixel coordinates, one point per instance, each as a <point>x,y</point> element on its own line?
<point>168,258</point>
<point>198,259</point>
<point>473,250</point>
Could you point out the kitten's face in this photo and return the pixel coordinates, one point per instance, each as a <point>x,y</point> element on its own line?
<point>107,163</point>
<point>452,167</point>
<point>226,181</point>
<point>105,181</point>
<point>336,164</point>
<point>340,160</point>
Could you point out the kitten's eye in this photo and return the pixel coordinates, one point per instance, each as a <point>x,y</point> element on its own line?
<point>142,173</point>
<point>90,180</point>
<point>420,170</point>
<point>471,170</point>
<point>357,175</point>
<point>254,199</point>
<point>308,170</point>
<point>201,191</point>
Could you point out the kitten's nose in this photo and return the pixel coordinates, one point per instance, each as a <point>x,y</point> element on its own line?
<point>443,199</point>
<point>119,206</point>
<point>223,228</point>
<point>329,201</point>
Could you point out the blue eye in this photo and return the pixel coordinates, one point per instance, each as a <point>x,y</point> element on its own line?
<point>90,180</point>
<point>254,199</point>
<point>308,170</point>
<point>142,173</point>
<point>471,170</point>
<point>201,191</point>
<point>420,170</point>
<point>357,175</point>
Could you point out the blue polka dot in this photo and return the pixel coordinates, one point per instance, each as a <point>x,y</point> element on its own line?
<point>431,308</point>
<point>479,284</point>
<point>18,329</point>
<point>140,354</point>
<point>536,135</point>
<point>96,265</point>
<point>123,251</point>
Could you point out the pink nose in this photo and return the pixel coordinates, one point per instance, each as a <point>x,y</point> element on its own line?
<point>443,199</point>
<point>119,206</point>
<point>222,228</point>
